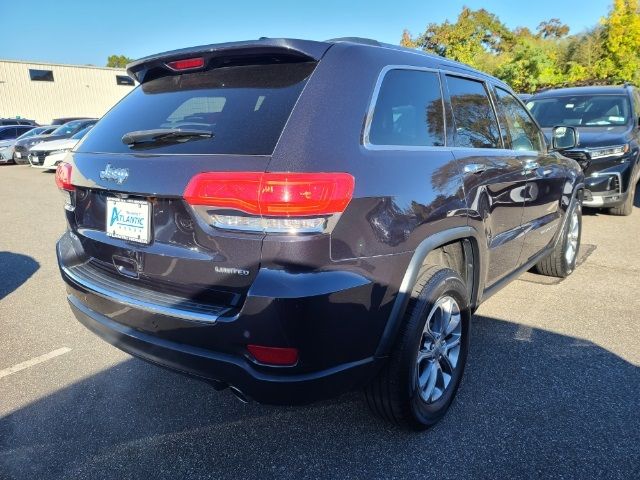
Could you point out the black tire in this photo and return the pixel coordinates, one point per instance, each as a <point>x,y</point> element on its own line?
<point>556,264</point>
<point>626,208</point>
<point>394,394</point>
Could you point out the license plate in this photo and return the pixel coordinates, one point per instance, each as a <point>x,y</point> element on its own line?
<point>129,219</point>
<point>18,155</point>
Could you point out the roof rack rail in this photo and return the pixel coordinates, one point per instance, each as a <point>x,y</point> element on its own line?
<point>364,41</point>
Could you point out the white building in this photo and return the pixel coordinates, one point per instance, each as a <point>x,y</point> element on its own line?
<point>44,91</point>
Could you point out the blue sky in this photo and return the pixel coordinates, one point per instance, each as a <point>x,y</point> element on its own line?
<point>87,31</point>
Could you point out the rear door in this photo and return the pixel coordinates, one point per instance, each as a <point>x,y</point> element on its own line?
<point>545,175</point>
<point>179,250</point>
<point>493,181</point>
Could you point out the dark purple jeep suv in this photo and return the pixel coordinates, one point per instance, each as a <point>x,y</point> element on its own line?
<point>294,219</point>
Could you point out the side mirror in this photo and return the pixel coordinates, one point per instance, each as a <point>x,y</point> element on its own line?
<point>564,138</point>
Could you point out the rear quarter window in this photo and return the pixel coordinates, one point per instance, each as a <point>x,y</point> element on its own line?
<point>244,107</point>
<point>476,125</point>
<point>408,110</point>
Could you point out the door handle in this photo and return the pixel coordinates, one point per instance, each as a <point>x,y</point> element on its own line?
<point>475,168</point>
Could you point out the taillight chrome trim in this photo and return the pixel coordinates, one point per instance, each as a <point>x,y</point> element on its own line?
<point>266,225</point>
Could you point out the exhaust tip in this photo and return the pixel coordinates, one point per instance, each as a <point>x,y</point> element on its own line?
<point>238,394</point>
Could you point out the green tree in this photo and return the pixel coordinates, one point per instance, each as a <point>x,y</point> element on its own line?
<point>118,61</point>
<point>621,42</point>
<point>476,38</point>
<point>553,28</point>
<point>607,53</point>
<point>406,40</point>
<point>530,67</point>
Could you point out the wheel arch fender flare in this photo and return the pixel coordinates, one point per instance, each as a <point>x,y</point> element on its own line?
<point>474,258</point>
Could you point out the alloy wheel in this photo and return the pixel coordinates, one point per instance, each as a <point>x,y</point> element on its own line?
<point>573,235</point>
<point>439,349</point>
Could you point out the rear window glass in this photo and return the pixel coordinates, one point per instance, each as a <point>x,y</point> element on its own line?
<point>408,110</point>
<point>244,107</point>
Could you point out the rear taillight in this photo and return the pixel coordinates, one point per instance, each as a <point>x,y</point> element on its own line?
<point>186,64</point>
<point>272,202</point>
<point>63,177</point>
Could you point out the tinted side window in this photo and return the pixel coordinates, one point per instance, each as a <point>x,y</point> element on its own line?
<point>7,133</point>
<point>408,110</point>
<point>475,122</point>
<point>523,134</point>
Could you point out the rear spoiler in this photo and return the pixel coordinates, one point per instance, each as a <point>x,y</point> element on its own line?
<point>233,53</point>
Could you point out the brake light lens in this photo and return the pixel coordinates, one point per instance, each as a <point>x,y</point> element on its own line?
<point>186,64</point>
<point>274,355</point>
<point>63,177</point>
<point>272,194</point>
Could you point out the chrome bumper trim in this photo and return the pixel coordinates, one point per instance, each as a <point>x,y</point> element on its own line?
<point>142,299</point>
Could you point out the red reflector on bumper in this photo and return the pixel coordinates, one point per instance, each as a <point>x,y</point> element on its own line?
<point>274,355</point>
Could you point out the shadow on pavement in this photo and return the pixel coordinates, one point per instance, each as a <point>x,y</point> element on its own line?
<point>15,269</point>
<point>532,404</point>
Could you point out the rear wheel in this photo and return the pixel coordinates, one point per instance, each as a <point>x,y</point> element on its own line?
<point>420,380</point>
<point>562,260</point>
<point>627,207</point>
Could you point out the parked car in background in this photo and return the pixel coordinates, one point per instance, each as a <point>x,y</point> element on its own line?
<point>63,120</point>
<point>20,152</point>
<point>47,155</point>
<point>17,121</point>
<point>37,131</point>
<point>8,136</point>
<point>63,131</point>
<point>230,220</point>
<point>607,119</point>
<point>525,97</point>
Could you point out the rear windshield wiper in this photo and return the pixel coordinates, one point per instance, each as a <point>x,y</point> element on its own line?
<point>151,138</point>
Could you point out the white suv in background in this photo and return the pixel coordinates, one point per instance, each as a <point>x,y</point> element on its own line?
<point>47,155</point>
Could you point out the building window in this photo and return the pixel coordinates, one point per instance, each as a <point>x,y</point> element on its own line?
<point>124,80</point>
<point>41,75</point>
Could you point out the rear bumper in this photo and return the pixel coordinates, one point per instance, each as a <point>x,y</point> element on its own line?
<point>323,314</point>
<point>228,369</point>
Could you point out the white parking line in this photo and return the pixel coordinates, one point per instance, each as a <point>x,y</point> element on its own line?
<point>34,361</point>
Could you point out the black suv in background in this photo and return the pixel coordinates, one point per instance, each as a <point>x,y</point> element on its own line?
<point>17,121</point>
<point>608,123</point>
<point>21,149</point>
<point>293,219</point>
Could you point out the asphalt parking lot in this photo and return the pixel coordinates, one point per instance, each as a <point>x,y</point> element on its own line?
<point>552,388</point>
